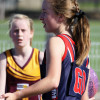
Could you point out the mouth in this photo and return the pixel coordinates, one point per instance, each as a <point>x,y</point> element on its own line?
<point>20,39</point>
<point>44,24</point>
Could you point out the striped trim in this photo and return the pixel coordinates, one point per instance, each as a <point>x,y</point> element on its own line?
<point>11,68</point>
<point>34,78</point>
<point>20,73</point>
<point>68,46</point>
<point>22,67</point>
<point>87,62</point>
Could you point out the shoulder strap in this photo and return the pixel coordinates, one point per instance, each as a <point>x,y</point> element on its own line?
<point>7,53</point>
<point>69,46</point>
<point>86,62</point>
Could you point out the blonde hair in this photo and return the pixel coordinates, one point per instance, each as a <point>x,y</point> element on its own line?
<point>21,16</point>
<point>76,19</point>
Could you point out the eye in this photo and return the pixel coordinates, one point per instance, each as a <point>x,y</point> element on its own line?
<point>44,12</point>
<point>23,30</point>
<point>16,30</point>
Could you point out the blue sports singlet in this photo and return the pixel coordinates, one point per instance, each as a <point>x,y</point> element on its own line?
<point>73,79</point>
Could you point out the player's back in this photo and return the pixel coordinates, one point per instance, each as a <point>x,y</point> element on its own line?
<point>73,78</point>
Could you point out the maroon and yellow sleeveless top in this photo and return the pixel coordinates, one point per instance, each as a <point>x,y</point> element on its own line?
<point>21,77</point>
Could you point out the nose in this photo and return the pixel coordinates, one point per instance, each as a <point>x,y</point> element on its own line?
<point>41,16</point>
<point>20,33</point>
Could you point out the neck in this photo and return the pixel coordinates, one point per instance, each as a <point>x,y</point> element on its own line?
<point>63,30</point>
<point>22,51</point>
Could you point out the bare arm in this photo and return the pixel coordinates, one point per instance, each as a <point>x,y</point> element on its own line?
<point>54,58</point>
<point>2,73</point>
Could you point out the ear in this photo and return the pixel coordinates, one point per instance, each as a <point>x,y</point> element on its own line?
<point>61,18</point>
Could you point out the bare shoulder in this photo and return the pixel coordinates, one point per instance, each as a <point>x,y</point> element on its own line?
<point>41,53</point>
<point>2,59</point>
<point>2,56</point>
<point>41,56</point>
<point>55,41</point>
<point>56,46</point>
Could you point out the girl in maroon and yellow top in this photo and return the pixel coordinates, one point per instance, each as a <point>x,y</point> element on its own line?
<point>20,66</point>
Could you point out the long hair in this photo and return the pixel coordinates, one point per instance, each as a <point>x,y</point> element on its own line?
<point>78,24</point>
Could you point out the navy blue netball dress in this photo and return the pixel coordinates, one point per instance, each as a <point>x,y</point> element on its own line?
<point>73,79</point>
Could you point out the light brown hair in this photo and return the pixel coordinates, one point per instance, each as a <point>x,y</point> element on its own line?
<point>79,22</point>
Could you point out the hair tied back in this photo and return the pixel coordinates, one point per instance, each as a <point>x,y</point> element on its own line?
<point>78,15</point>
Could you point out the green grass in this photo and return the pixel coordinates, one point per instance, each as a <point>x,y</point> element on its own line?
<point>95,37</point>
<point>90,6</point>
<point>39,33</point>
<point>40,36</point>
<point>95,31</point>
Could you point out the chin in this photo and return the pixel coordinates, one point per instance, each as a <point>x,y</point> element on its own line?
<point>20,45</point>
<point>48,31</point>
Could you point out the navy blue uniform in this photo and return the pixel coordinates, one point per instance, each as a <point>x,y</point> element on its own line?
<point>73,79</point>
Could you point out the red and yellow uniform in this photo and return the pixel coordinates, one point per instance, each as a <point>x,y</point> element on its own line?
<point>21,77</point>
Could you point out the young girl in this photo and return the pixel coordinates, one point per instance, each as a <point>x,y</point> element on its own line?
<point>20,66</point>
<point>67,62</point>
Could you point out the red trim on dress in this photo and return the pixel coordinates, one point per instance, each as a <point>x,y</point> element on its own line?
<point>67,45</point>
<point>87,62</point>
<point>65,53</point>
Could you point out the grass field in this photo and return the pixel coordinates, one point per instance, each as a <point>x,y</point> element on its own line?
<point>90,6</point>
<point>40,33</point>
<point>95,31</point>
<point>95,48</point>
<point>40,38</point>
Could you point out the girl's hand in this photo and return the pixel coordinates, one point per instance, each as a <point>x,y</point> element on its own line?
<point>8,96</point>
<point>93,98</point>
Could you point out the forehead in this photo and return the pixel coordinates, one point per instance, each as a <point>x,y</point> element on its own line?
<point>46,5</point>
<point>20,23</point>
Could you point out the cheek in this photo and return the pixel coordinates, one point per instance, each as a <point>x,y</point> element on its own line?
<point>52,21</point>
<point>26,37</point>
<point>52,24</point>
<point>13,36</point>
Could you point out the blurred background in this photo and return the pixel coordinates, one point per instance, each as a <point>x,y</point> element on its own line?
<point>32,8</point>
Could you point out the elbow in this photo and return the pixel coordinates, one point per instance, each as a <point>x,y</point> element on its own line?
<point>55,83</point>
<point>56,86</point>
